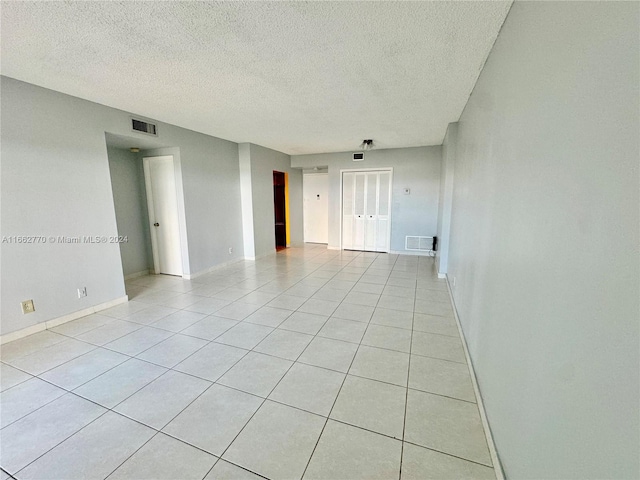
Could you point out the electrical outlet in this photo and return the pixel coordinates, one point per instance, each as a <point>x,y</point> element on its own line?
<point>230,250</point>
<point>27,306</point>
<point>82,292</point>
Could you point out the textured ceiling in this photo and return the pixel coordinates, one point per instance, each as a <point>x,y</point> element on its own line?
<point>299,77</point>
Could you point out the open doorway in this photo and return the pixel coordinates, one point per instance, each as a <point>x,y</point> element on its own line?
<point>280,209</point>
<point>130,203</point>
<point>146,180</point>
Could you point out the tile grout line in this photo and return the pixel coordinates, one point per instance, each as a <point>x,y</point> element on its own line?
<point>65,439</point>
<point>175,416</point>
<point>215,383</point>
<point>173,333</point>
<point>406,398</point>
<point>334,400</point>
<point>261,404</point>
<point>339,390</point>
<point>108,409</point>
<point>336,273</point>
<point>111,409</point>
<point>128,333</point>
<point>273,389</point>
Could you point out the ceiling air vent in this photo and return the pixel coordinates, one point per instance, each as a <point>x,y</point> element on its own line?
<point>420,244</point>
<point>144,127</point>
<point>358,157</point>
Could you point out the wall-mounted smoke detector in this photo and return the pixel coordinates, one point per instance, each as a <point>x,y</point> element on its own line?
<point>366,144</point>
<point>358,156</point>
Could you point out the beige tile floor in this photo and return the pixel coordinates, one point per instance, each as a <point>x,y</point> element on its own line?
<point>310,364</point>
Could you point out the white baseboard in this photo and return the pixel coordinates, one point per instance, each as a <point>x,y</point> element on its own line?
<point>394,252</point>
<point>25,332</point>
<point>258,257</point>
<point>137,274</point>
<point>10,337</point>
<point>497,466</point>
<point>211,269</point>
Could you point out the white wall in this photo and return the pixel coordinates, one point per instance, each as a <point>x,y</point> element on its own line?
<point>544,239</point>
<point>445,203</point>
<point>416,168</point>
<point>132,218</point>
<point>244,159</point>
<point>262,162</point>
<point>55,181</point>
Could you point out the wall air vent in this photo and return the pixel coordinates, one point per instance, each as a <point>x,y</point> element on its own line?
<point>358,157</point>
<point>144,127</point>
<point>419,244</point>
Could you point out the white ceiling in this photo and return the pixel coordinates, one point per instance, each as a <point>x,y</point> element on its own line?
<point>299,77</point>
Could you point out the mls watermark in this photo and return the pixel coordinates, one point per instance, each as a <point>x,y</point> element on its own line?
<point>64,239</point>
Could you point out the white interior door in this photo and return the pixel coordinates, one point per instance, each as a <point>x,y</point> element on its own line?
<point>315,192</point>
<point>162,202</point>
<point>366,204</point>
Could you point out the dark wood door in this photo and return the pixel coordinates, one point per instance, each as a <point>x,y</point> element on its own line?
<point>279,210</point>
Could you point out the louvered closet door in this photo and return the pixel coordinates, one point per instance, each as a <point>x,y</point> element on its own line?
<point>359,200</point>
<point>371,211</point>
<point>348,180</point>
<point>366,204</point>
<point>384,205</point>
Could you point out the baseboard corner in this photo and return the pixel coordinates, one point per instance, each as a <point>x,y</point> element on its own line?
<point>191,276</point>
<point>137,274</point>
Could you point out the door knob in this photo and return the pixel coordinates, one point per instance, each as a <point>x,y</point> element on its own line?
<point>156,224</point>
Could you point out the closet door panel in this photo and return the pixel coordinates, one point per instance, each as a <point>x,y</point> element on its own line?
<point>347,210</point>
<point>359,211</point>
<point>371,211</point>
<point>384,207</point>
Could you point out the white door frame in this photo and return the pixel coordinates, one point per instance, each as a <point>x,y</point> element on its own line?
<point>151,210</point>
<point>353,170</point>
